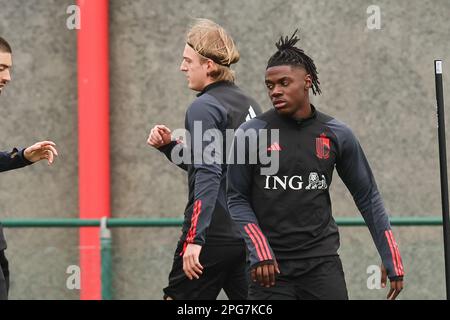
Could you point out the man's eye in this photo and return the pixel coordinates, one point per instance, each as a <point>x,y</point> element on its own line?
<point>269,86</point>
<point>284,83</point>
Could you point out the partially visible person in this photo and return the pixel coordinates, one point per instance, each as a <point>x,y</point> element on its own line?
<point>17,158</point>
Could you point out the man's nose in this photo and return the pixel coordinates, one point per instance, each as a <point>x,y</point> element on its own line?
<point>6,76</point>
<point>276,92</point>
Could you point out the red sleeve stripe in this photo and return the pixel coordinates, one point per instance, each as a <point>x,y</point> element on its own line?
<point>260,240</point>
<point>192,230</point>
<point>399,257</point>
<point>263,239</point>
<point>394,260</point>
<point>255,243</point>
<point>184,249</point>
<point>194,220</point>
<point>394,252</point>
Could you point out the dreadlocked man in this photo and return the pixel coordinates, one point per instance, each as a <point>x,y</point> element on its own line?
<point>286,218</point>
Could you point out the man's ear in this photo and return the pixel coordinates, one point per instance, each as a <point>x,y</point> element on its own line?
<point>210,67</point>
<point>308,82</point>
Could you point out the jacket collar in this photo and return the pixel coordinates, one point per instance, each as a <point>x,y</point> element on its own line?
<point>214,85</point>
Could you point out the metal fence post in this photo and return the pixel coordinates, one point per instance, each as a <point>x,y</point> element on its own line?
<point>106,256</point>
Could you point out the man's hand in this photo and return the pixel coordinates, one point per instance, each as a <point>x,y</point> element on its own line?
<point>159,136</point>
<point>396,286</point>
<point>191,264</point>
<point>265,274</point>
<point>41,150</point>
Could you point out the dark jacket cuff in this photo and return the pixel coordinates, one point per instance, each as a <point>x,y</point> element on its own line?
<point>22,156</point>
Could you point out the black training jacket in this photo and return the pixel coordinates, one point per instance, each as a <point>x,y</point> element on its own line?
<point>220,106</point>
<point>287,215</point>
<point>9,161</point>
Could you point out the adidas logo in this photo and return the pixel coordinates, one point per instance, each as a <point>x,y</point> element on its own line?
<point>274,147</point>
<point>251,114</point>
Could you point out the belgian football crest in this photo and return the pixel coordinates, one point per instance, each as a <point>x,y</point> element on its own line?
<point>323,147</point>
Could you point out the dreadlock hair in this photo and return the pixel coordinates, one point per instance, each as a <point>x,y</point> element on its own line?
<point>288,54</point>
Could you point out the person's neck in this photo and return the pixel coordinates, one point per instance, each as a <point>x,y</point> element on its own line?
<point>304,112</point>
<point>207,83</point>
